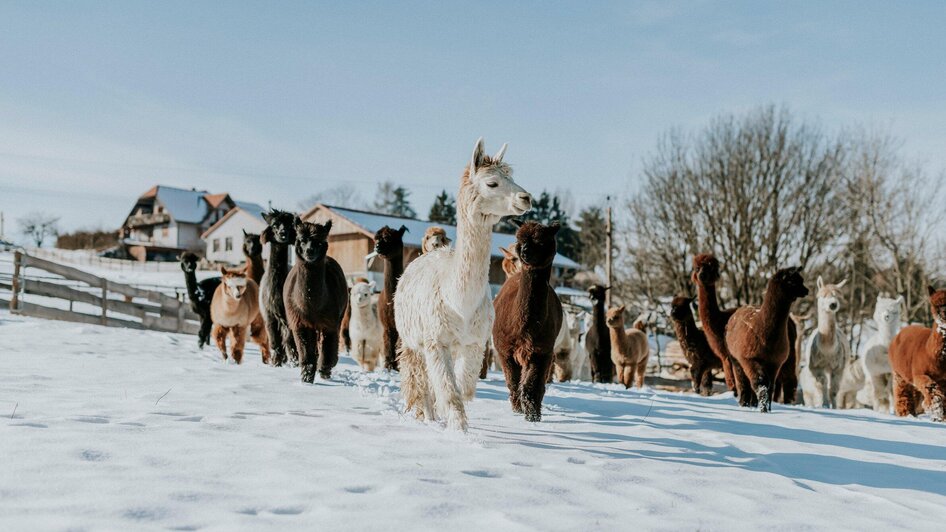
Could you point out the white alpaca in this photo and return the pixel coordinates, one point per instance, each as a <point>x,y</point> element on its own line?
<point>364,327</point>
<point>443,307</point>
<point>876,364</point>
<point>562,352</point>
<point>826,351</point>
<point>581,366</point>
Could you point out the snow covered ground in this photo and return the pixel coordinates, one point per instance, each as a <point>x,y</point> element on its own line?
<point>120,429</point>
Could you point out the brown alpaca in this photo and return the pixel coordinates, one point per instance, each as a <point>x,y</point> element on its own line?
<point>598,339</point>
<point>235,306</point>
<point>757,337</point>
<point>695,347</point>
<point>918,359</point>
<point>389,244</point>
<point>629,348</point>
<point>528,319</point>
<point>316,296</point>
<point>714,320</point>
<point>786,384</point>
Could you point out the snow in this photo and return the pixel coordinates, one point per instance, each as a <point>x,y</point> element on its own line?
<point>120,429</point>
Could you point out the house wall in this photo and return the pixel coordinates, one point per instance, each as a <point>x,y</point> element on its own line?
<point>188,237</point>
<point>233,229</point>
<point>350,250</point>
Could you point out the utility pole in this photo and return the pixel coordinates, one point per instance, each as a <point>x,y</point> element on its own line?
<point>1,225</point>
<point>607,264</point>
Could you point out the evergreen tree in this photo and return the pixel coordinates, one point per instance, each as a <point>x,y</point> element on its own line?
<point>401,205</point>
<point>593,231</point>
<point>444,209</point>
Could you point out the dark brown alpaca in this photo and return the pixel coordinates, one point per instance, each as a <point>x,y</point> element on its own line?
<point>280,233</point>
<point>528,318</point>
<point>389,244</point>
<point>598,338</point>
<point>757,337</point>
<point>253,252</point>
<point>316,296</point>
<point>695,347</point>
<point>918,359</point>
<point>714,320</point>
<point>786,384</point>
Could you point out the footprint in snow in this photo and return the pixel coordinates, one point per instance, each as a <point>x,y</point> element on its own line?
<point>91,455</point>
<point>193,419</point>
<point>30,424</point>
<point>358,489</point>
<point>287,510</point>
<point>578,461</point>
<point>92,419</point>
<point>482,473</point>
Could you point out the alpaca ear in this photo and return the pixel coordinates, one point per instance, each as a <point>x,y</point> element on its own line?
<point>265,235</point>
<point>930,290</point>
<point>402,230</point>
<point>842,283</point>
<point>223,271</point>
<point>478,155</point>
<point>371,285</point>
<point>820,283</point>
<point>555,227</point>
<point>328,226</point>
<point>267,217</point>
<point>622,308</point>
<point>506,253</point>
<point>296,221</point>
<point>244,232</point>
<point>899,300</point>
<point>515,221</point>
<point>499,155</point>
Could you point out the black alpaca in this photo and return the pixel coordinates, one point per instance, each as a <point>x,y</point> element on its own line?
<point>389,244</point>
<point>200,295</point>
<point>253,251</point>
<point>598,338</point>
<point>280,233</point>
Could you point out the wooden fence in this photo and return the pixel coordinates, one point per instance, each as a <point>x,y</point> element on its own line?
<point>115,304</point>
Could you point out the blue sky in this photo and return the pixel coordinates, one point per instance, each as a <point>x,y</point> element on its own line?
<point>275,101</point>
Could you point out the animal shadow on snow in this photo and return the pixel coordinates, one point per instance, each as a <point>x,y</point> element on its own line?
<point>798,466</point>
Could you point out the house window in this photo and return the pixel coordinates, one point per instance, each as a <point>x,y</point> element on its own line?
<point>228,244</point>
<point>216,245</point>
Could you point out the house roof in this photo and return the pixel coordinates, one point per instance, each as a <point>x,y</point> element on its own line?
<point>216,199</point>
<point>251,208</point>
<point>188,206</point>
<point>370,222</point>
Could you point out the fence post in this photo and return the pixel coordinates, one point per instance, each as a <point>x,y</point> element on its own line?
<point>104,301</point>
<point>15,299</point>
<point>180,317</point>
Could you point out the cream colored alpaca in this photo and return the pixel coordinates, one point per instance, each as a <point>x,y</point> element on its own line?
<point>826,353</point>
<point>629,349</point>
<point>435,237</point>
<point>443,307</point>
<point>364,328</point>
<point>234,308</point>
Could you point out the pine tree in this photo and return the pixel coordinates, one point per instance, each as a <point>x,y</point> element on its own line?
<point>593,231</point>
<point>401,206</point>
<point>444,209</point>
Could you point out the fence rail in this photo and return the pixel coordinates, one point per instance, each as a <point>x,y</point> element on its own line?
<point>91,259</point>
<point>138,308</point>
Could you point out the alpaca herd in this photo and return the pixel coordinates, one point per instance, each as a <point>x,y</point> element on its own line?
<point>434,317</point>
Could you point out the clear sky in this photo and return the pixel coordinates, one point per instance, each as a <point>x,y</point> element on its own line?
<point>277,100</point>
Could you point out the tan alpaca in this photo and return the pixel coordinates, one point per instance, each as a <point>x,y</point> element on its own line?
<point>629,348</point>
<point>434,238</point>
<point>235,306</point>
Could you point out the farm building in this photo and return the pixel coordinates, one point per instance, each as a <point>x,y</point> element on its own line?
<point>166,221</point>
<point>352,239</point>
<point>223,240</point>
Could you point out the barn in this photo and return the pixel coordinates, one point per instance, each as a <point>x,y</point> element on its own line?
<point>352,240</point>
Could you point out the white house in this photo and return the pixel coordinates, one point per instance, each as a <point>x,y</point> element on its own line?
<point>224,239</point>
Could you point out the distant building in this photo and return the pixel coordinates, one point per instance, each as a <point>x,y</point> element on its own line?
<point>166,221</point>
<point>352,239</point>
<point>223,241</point>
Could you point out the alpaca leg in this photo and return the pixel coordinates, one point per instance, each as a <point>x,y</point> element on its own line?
<point>444,383</point>
<point>469,365</point>
<point>905,398</point>
<point>484,369</point>
<point>414,384</point>
<point>641,371</point>
<point>626,376</point>
<point>879,393</point>
<point>513,373</point>
<point>259,337</point>
<point>706,382</point>
<point>532,388</point>
<point>308,349</point>
<point>744,391</point>
<point>696,372</point>
<point>206,324</point>
<point>328,353</point>
<point>390,349</point>
<point>219,334</point>
<point>729,375</point>
<point>238,335</point>
<point>274,333</point>
<point>933,397</point>
<point>289,343</point>
<point>787,383</point>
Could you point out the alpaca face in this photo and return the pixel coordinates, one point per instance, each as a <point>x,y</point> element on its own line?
<point>434,238</point>
<point>234,285</point>
<point>680,308</point>
<point>938,307</point>
<point>597,293</point>
<point>189,262</point>
<point>887,311</point>
<point>281,226</point>
<point>790,282</point>
<point>615,317</point>
<point>252,246</point>
<point>361,294</point>
<point>535,244</point>
<point>511,263</point>
<point>389,242</point>
<point>829,296</point>
<point>491,178</point>
<point>705,269</point>
<point>312,240</point>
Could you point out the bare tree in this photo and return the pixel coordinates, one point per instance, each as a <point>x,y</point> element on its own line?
<point>340,196</point>
<point>38,226</point>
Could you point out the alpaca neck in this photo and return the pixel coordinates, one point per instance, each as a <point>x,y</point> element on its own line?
<point>311,276</point>
<point>709,304</point>
<point>826,328</point>
<point>278,260</point>
<point>190,280</point>
<point>533,294</point>
<point>618,334</point>
<point>470,272</point>
<point>231,305</point>
<point>937,341</point>
<point>393,268</point>
<point>775,309</point>
<point>686,331</point>
<point>254,267</point>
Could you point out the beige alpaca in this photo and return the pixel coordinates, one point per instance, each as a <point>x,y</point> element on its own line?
<point>629,348</point>
<point>443,307</point>
<point>234,308</point>
<point>434,238</point>
<point>364,327</point>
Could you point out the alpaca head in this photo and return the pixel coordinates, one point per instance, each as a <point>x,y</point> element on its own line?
<point>705,269</point>
<point>615,317</point>
<point>511,263</point>
<point>680,309</point>
<point>280,227</point>
<point>252,247</point>
<point>361,294</point>
<point>487,187</point>
<point>389,242</point>
<point>789,283</point>
<point>938,306</point>
<point>535,244</point>
<point>829,296</point>
<point>434,238</point>
<point>598,293</point>
<point>234,283</point>
<point>887,311</point>
<point>189,262</point>
<point>311,240</point>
